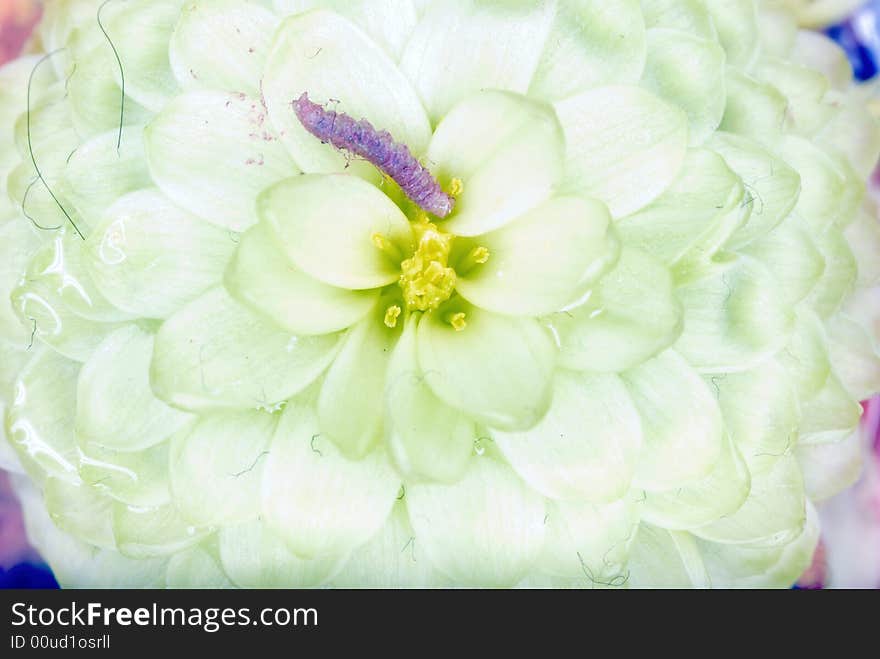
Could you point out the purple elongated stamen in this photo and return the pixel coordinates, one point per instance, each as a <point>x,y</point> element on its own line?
<point>378,147</point>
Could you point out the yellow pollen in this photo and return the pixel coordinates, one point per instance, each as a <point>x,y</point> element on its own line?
<point>480,254</point>
<point>382,242</point>
<point>458,321</point>
<point>391,315</point>
<point>426,279</point>
<point>456,187</point>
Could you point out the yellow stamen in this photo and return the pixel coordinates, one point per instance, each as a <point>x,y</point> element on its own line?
<point>458,321</point>
<point>480,254</point>
<point>382,242</point>
<point>456,187</point>
<point>391,315</point>
<point>426,279</point>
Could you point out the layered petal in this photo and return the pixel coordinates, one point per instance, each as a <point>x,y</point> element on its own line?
<point>327,56</point>
<point>115,406</point>
<point>339,503</point>
<point>487,529</point>
<point>507,151</point>
<point>529,274</point>
<point>261,277</point>
<point>631,315</point>
<point>681,423</point>
<point>624,146</point>
<point>449,57</point>
<point>325,225</point>
<point>428,439</point>
<point>213,152</point>
<point>214,353</point>
<point>498,369</point>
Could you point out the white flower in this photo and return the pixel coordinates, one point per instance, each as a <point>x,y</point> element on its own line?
<point>234,355</point>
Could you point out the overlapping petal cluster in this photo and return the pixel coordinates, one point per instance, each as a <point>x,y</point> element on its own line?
<point>632,354</point>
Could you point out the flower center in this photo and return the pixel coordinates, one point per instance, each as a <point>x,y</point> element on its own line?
<point>425,279</point>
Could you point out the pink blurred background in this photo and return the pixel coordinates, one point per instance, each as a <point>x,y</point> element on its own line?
<point>848,556</point>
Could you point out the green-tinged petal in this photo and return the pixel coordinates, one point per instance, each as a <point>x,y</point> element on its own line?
<point>79,565</point>
<point>695,215</point>
<point>391,559</point>
<point>831,467</point>
<point>216,468</point>
<point>221,45</point>
<point>734,315</point>
<point>830,192</point>
<point>761,412</point>
<point>737,24</point>
<point>805,90</point>
<point>720,493</point>
<point>61,265</point>
<point>214,353</point>
<point>261,277</point>
<point>15,76</point>
<point>624,146</point>
<point>255,557</point>
<point>631,315</point>
<point>427,438</point>
<point>39,420</point>
<point>855,133</point>
<point>806,355</point>
<point>685,15</point>
<point>94,94</point>
<point>195,568</point>
<point>213,152</point>
<point>47,133</point>
<point>98,174</point>
<point>151,258</point>
<point>754,109</point>
<point>138,478</point>
<point>449,55</point>
<point>140,31</point>
<point>759,566</point>
<point>772,187</point>
<point>39,305</point>
<point>80,510</point>
<point>681,423</point>
<point>840,275</point>
<point>115,406</point>
<point>41,203</point>
<point>855,355</point>
<point>389,22</point>
<point>498,369</point>
<point>325,225</point>
<point>506,149</point>
<point>351,404</point>
<point>863,237</point>
<point>587,445</point>
<point>590,542</point>
<point>485,530</point>
<point>149,532</point>
<point>778,29</point>
<point>19,233</point>
<point>829,416</point>
<point>591,43</point>
<point>689,72</point>
<point>339,503</point>
<point>821,53</point>
<point>773,514</point>
<point>789,254</point>
<point>666,559</point>
<point>325,55</point>
<point>529,275</point>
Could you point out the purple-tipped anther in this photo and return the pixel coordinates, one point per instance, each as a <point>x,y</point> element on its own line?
<point>379,148</point>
